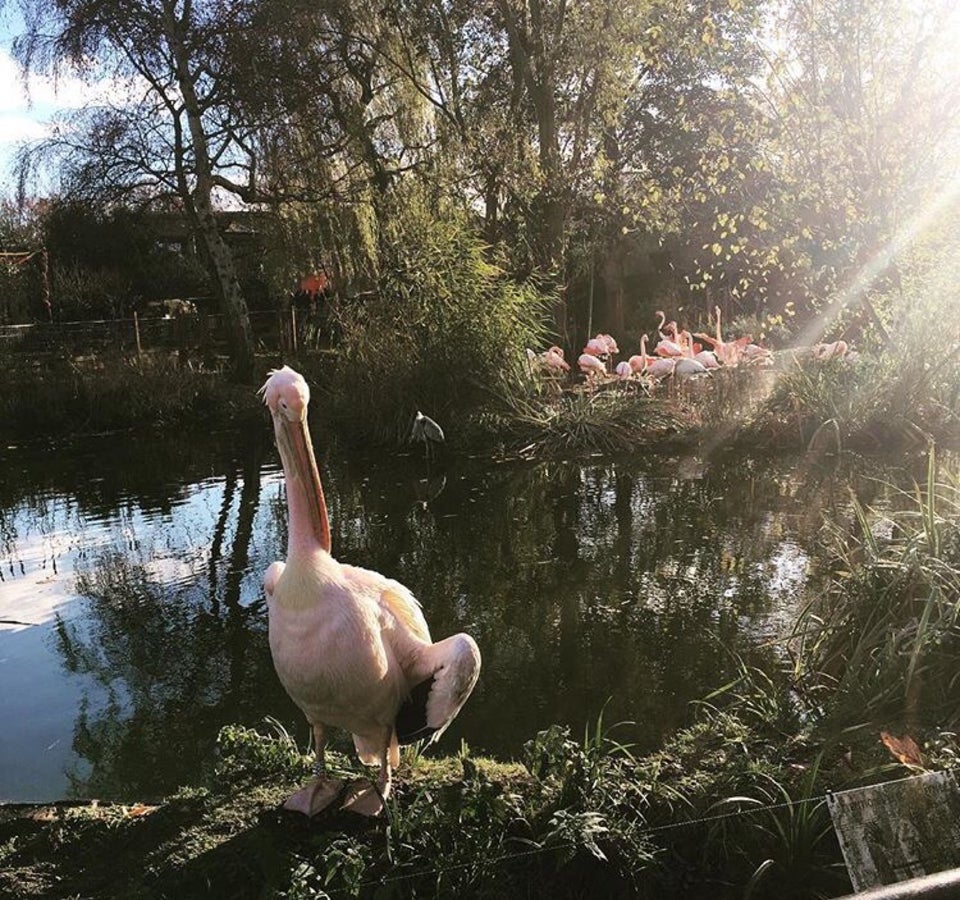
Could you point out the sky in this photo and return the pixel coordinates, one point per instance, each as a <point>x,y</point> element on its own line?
<point>27,108</point>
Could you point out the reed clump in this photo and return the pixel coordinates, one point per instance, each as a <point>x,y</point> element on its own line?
<point>580,422</point>
<point>883,641</point>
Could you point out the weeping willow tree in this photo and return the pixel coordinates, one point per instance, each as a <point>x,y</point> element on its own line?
<point>167,131</point>
<point>341,125</point>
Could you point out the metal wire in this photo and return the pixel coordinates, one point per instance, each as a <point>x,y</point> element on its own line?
<point>272,329</point>
<point>534,851</point>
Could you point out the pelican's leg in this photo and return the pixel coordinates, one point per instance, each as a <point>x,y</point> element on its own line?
<point>323,790</point>
<point>319,751</point>
<point>368,800</point>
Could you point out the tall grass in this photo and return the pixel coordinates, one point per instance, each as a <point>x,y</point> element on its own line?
<point>64,398</point>
<point>883,642</point>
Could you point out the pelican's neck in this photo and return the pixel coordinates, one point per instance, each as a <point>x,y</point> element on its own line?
<point>308,525</point>
<point>303,536</point>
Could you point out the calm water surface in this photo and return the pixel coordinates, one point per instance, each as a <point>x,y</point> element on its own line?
<point>135,625</point>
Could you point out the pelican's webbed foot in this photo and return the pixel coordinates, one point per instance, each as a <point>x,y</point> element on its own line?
<point>363,798</point>
<point>317,796</point>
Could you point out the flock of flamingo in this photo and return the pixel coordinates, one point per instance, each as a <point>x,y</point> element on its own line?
<point>678,354</point>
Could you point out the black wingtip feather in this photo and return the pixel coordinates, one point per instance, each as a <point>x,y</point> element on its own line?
<point>411,723</point>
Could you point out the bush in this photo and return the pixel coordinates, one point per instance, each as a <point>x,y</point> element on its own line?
<point>446,331</point>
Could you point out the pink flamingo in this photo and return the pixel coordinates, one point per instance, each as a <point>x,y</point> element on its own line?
<point>624,370</point>
<point>610,343</point>
<point>757,355</point>
<point>638,362</point>
<point>728,353</point>
<point>654,367</point>
<point>706,358</point>
<point>669,343</point>
<point>591,365</point>
<point>597,347</point>
<point>688,365</point>
<point>664,335</point>
<point>661,367</point>
<point>823,352</point>
<point>553,359</point>
<point>351,647</point>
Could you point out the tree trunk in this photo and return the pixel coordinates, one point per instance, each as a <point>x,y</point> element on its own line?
<point>614,318</point>
<point>531,57</point>
<point>232,304</point>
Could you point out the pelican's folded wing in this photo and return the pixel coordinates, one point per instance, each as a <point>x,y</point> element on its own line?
<point>449,670</point>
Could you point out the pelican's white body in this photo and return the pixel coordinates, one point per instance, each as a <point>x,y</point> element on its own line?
<point>348,644</point>
<point>351,657</point>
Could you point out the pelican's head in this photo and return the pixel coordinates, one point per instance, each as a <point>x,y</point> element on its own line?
<point>286,394</point>
<point>287,397</point>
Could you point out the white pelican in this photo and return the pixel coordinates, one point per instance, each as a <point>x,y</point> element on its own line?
<point>350,646</point>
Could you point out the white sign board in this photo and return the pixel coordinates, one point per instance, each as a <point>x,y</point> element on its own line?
<point>899,829</point>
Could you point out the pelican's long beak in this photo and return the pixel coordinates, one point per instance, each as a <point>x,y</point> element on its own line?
<point>293,440</point>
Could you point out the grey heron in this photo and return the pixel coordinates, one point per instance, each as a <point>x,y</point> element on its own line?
<point>426,430</point>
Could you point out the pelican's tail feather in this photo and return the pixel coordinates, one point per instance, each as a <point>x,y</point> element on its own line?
<point>411,721</point>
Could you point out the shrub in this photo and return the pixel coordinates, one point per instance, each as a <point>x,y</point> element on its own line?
<point>442,334</point>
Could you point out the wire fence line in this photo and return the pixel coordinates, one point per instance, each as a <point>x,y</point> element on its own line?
<point>538,850</point>
<point>195,333</point>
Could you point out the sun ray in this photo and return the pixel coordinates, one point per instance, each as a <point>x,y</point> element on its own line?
<point>948,200</point>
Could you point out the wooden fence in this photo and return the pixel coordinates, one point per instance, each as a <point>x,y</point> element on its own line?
<point>195,334</point>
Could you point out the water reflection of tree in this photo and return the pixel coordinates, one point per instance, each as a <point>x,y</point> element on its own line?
<point>176,661</point>
<point>580,583</point>
<point>100,474</point>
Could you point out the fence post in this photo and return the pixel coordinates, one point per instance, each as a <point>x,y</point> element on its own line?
<point>136,331</point>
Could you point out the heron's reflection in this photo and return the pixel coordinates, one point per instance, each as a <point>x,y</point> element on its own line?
<point>428,489</point>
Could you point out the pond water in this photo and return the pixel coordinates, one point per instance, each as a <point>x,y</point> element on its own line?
<point>134,623</point>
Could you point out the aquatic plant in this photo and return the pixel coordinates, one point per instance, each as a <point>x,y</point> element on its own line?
<point>883,642</point>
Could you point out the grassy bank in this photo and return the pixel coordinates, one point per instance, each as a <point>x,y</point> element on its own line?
<point>574,819</point>
<point>732,806</point>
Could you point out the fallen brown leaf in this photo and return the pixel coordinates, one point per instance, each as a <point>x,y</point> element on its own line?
<point>904,749</point>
